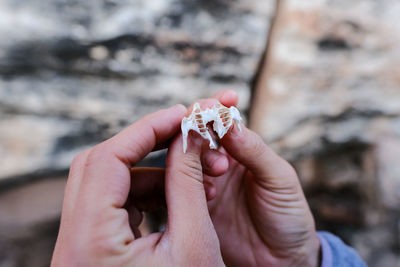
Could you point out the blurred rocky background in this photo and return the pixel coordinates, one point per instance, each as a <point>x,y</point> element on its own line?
<point>318,79</point>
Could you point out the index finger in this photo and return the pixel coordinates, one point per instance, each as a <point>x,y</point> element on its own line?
<point>107,168</point>
<point>227,97</point>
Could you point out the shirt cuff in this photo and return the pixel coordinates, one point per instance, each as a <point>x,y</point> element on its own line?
<point>326,252</point>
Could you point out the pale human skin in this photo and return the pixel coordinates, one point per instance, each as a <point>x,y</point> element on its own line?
<point>256,214</point>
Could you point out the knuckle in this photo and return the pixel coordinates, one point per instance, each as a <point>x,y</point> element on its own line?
<point>207,161</point>
<point>77,165</point>
<point>102,246</point>
<point>289,171</point>
<point>142,142</point>
<point>79,159</point>
<point>99,149</point>
<point>191,168</point>
<point>257,147</point>
<point>285,171</point>
<point>97,154</point>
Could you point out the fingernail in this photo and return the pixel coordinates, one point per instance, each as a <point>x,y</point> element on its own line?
<point>230,93</point>
<point>235,132</point>
<point>195,138</point>
<point>179,107</point>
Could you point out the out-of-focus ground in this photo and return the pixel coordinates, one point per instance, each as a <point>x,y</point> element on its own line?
<point>326,96</point>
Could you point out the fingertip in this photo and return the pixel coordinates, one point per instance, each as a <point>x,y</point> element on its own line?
<point>179,108</point>
<point>210,190</point>
<point>234,138</point>
<point>229,98</point>
<point>237,131</point>
<point>214,162</point>
<point>221,166</point>
<point>212,193</point>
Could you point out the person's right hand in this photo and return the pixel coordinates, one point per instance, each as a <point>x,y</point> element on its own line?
<point>260,213</point>
<point>104,198</point>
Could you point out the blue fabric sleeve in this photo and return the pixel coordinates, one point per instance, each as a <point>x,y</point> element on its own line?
<point>335,253</point>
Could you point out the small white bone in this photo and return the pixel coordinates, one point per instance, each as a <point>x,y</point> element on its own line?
<point>222,116</point>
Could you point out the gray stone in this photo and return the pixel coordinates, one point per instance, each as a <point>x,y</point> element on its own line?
<point>388,154</point>
<point>73,73</point>
<point>332,64</point>
<point>328,101</point>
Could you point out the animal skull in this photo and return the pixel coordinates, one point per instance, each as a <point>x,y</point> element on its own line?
<point>222,116</point>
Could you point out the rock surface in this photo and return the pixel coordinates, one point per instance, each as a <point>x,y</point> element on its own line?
<point>73,73</point>
<point>329,102</point>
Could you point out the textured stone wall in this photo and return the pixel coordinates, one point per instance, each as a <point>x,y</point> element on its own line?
<point>73,73</point>
<point>329,101</point>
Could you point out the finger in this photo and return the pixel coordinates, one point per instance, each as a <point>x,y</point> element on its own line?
<point>214,162</point>
<point>186,198</point>
<point>211,190</point>
<point>107,173</point>
<point>248,148</point>
<point>147,188</point>
<point>227,97</point>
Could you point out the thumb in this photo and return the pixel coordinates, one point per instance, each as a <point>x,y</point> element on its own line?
<point>270,170</point>
<point>188,216</point>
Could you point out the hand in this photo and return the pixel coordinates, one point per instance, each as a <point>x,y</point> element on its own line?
<point>260,213</point>
<point>104,199</point>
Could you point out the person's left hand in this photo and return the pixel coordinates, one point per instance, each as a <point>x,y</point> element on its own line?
<point>104,199</point>
<point>257,205</point>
